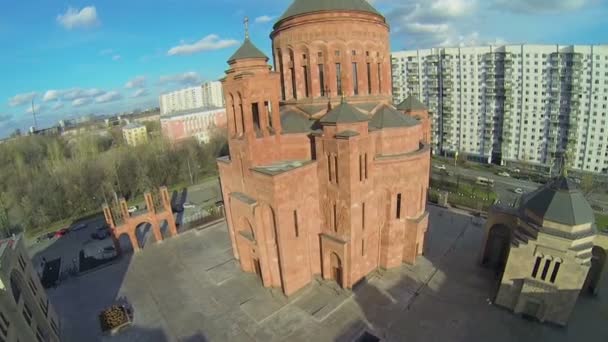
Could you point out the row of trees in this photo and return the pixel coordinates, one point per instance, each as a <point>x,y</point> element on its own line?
<point>49,179</point>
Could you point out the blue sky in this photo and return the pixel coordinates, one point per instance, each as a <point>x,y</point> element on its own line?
<point>103,56</point>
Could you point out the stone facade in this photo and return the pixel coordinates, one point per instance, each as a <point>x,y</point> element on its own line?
<point>545,260</point>
<point>341,197</point>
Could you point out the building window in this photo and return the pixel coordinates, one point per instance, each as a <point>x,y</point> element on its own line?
<point>369,78</point>
<point>336,166</point>
<point>363,216</point>
<point>543,276</point>
<point>322,79</point>
<point>255,111</point>
<point>398,206</point>
<point>536,266</point>
<point>282,74</point>
<point>329,166</point>
<point>365,165</point>
<point>27,314</point>
<point>305,70</point>
<point>242,118</point>
<point>379,78</point>
<point>360,168</point>
<point>294,90</point>
<point>362,247</point>
<point>295,223</point>
<point>355,79</point>
<point>555,270</point>
<point>339,78</point>
<point>335,220</point>
<point>269,112</point>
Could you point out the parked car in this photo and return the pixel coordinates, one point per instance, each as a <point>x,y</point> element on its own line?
<point>132,209</point>
<point>101,233</point>
<point>516,170</point>
<point>504,174</point>
<point>440,167</point>
<point>61,232</point>
<point>189,205</point>
<point>79,227</point>
<point>518,191</point>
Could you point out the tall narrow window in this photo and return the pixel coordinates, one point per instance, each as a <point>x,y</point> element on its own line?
<point>398,206</point>
<point>543,276</point>
<point>234,119</point>
<point>362,247</point>
<point>242,118</point>
<point>369,78</point>
<point>336,166</point>
<point>32,286</point>
<point>322,79</point>
<point>295,223</point>
<point>305,70</point>
<point>355,79</point>
<point>365,165</point>
<point>335,214</point>
<point>329,166</point>
<point>360,168</point>
<point>268,112</point>
<point>555,270</point>
<point>338,78</point>
<point>363,216</point>
<point>536,266</point>
<point>379,78</point>
<point>22,262</point>
<point>255,110</point>
<point>294,90</point>
<point>282,74</point>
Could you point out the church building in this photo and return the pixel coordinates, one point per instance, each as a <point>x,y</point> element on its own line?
<point>325,177</point>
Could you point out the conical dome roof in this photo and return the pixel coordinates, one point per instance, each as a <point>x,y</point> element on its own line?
<point>559,201</point>
<point>299,7</point>
<point>247,50</point>
<point>411,103</point>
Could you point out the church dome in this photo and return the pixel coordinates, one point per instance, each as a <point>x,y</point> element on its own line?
<point>300,7</point>
<point>558,201</point>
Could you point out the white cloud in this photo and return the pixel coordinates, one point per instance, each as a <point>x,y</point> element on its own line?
<point>51,95</point>
<point>137,82</point>
<point>77,93</point>
<point>186,78</point>
<point>74,18</point>
<point>110,96</point>
<point>21,99</point>
<point>116,57</point>
<point>139,93</point>
<point>263,19</point>
<point>427,28</point>
<point>541,6</point>
<point>208,43</point>
<point>57,106</point>
<point>106,52</point>
<point>81,102</point>
<point>36,108</point>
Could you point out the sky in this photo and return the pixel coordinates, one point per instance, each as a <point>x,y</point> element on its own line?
<point>74,58</point>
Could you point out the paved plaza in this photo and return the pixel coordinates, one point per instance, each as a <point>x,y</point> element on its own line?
<point>190,288</point>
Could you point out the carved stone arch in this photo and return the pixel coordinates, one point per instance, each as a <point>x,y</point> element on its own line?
<point>265,216</point>
<point>244,225</point>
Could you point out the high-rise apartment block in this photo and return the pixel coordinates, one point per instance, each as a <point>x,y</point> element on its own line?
<point>210,94</point>
<point>514,103</point>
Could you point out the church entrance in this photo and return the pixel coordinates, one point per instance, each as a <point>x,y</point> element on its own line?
<point>497,249</point>
<point>258,268</point>
<point>336,268</point>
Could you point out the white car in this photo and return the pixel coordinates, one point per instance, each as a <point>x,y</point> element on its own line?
<point>189,205</point>
<point>516,170</point>
<point>440,167</point>
<point>132,209</point>
<point>504,174</point>
<point>79,227</point>
<point>518,191</point>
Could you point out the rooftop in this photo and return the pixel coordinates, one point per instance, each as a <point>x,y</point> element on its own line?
<point>300,7</point>
<point>344,113</point>
<point>199,110</point>
<point>247,50</point>
<point>133,125</point>
<point>388,117</point>
<point>411,103</point>
<point>281,167</point>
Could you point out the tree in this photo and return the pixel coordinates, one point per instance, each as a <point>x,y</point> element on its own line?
<point>587,184</point>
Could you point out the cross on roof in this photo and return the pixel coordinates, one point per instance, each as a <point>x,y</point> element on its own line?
<point>246,22</point>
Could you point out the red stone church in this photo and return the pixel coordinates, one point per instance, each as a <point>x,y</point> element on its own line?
<point>325,176</point>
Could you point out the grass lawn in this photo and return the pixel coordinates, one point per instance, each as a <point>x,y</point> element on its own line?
<point>601,221</point>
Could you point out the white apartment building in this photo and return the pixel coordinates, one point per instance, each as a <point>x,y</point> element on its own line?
<point>514,103</point>
<point>213,94</point>
<point>210,94</point>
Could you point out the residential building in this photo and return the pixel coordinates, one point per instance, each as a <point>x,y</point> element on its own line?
<point>546,252</point>
<point>208,95</point>
<point>182,99</point>
<point>25,311</point>
<point>514,103</point>
<point>135,134</point>
<point>213,95</point>
<point>196,123</point>
<point>325,177</point>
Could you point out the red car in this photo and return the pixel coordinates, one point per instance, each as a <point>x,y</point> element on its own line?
<point>61,232</point>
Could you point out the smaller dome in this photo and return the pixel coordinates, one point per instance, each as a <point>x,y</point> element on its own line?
<point>344,113</point>
<point>411,103</point>
<point>559,201</point>
<point>247,50</point>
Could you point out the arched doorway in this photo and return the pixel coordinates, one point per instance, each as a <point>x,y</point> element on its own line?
<point>164,229</point>
<point>17,284</point>
<point>335,267</point>
<point>144,234</point>
<point>497,248</point>
<point>124,242</point>
<point>598,261</point>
